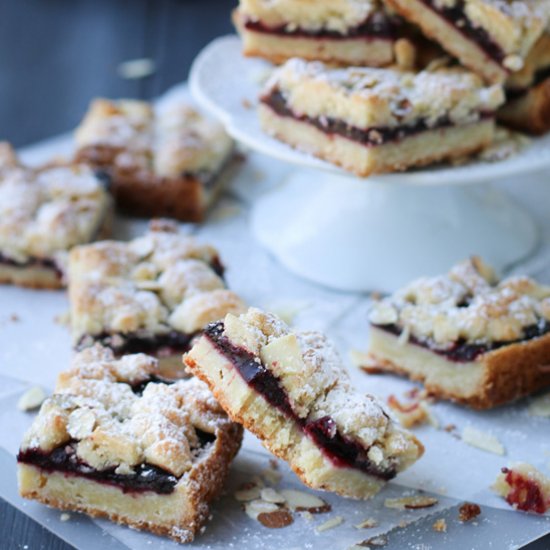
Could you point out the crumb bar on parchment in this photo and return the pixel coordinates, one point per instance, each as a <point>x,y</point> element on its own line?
<point>378,120</point>
<point>149,295</point>
<point>44,212</point>
<point>168,162</point>
<point>292,391</point>
<point>348,32</point>
<point>466,335</point>
<point>116,442</point>
<point>490,37</point>
<point>528,92</point>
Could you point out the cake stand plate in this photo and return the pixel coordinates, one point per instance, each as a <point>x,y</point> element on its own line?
<point>360,234</point>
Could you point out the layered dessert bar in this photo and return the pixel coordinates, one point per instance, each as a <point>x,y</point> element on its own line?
<point>528,92</point>
<point>378,120</point>
<point>114,441</point>
<point>44,212</point>
<point>466,335</point>
<point>292,391</point>
<point>169,162</point>
<point>150,295</point>
<point>347,32</point>
<point>490,37</point>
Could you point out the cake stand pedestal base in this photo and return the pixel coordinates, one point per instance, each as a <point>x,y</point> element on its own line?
<point>356,235</point>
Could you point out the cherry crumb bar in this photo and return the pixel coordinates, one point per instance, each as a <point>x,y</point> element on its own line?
<point>44,212</point>
<point>347,32</point>
<point>114,441</point>
<point>169,162</point>
<point>150,295</point>
<point>292,391</point>
<point>378,120</point>
<point>466,335</point>
<point>490,37</point>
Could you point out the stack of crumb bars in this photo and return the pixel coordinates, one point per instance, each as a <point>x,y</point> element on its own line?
<point>386,85</point>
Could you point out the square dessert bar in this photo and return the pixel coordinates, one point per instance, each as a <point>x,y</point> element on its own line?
<point>490,37</point>
<point>348,32</point>
<point>44,212</point>
<point>169,162</point>
<point>378,120</point>
<point>292,391</point>
<point>466,335</point>
<point>114,441</point>
<point>528,92</point>
<point>151,295</point>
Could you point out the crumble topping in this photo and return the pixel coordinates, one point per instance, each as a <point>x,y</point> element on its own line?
<point>379,98</point>
<point>317,386</point>
<point>46,211</point>
<point>333,15</point>
<point>469,304</point>
<point>157,283</point>
<point>172,142</point>
<point>95,410</point>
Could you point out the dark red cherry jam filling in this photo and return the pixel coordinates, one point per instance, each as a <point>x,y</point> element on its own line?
<point>165,345</point>
<point>46,263</point>
<point>146,477</point>
<point>456,16</point>
<point>369,138</point>
<point>341,450</point>
<point>462,351</point>
<point>377,25</point>
<point>64,459</point>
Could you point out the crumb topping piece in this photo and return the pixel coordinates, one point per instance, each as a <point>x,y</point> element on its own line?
<point>46,211</point>
<point>109,425</point>
<point>157,283</point>
<point>368,98</point>
<point>468,304</point>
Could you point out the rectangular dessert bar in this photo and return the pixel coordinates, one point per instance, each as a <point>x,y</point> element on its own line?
<point>378,120</point>
<point>168,162</point>
<point>528,92</point>
<point>115,441</point>
<point>467,336</point>
<point>347,32</point>
<point>292,391</point>
<point>44,212</point>
<point>490,37</point>
<point>150,295</point>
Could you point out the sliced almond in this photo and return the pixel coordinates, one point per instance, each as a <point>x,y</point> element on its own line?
<point>305,502</point>
<point>482,440</point>
<point>270,495</point>
<point>330,524</point>
<point>410,503</point>
<point>246,495</point>
<point>31,399</point>
<point>276,519</point>
<point>368,523</point>
<point>271,476</point>
<point>256,507</point>
<point>81,423</point>
<point>374,542</point>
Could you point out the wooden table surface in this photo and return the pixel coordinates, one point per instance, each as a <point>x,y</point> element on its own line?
<point>55,56</point>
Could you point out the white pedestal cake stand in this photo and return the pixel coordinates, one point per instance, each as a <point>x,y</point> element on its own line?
<point>360,234</point>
